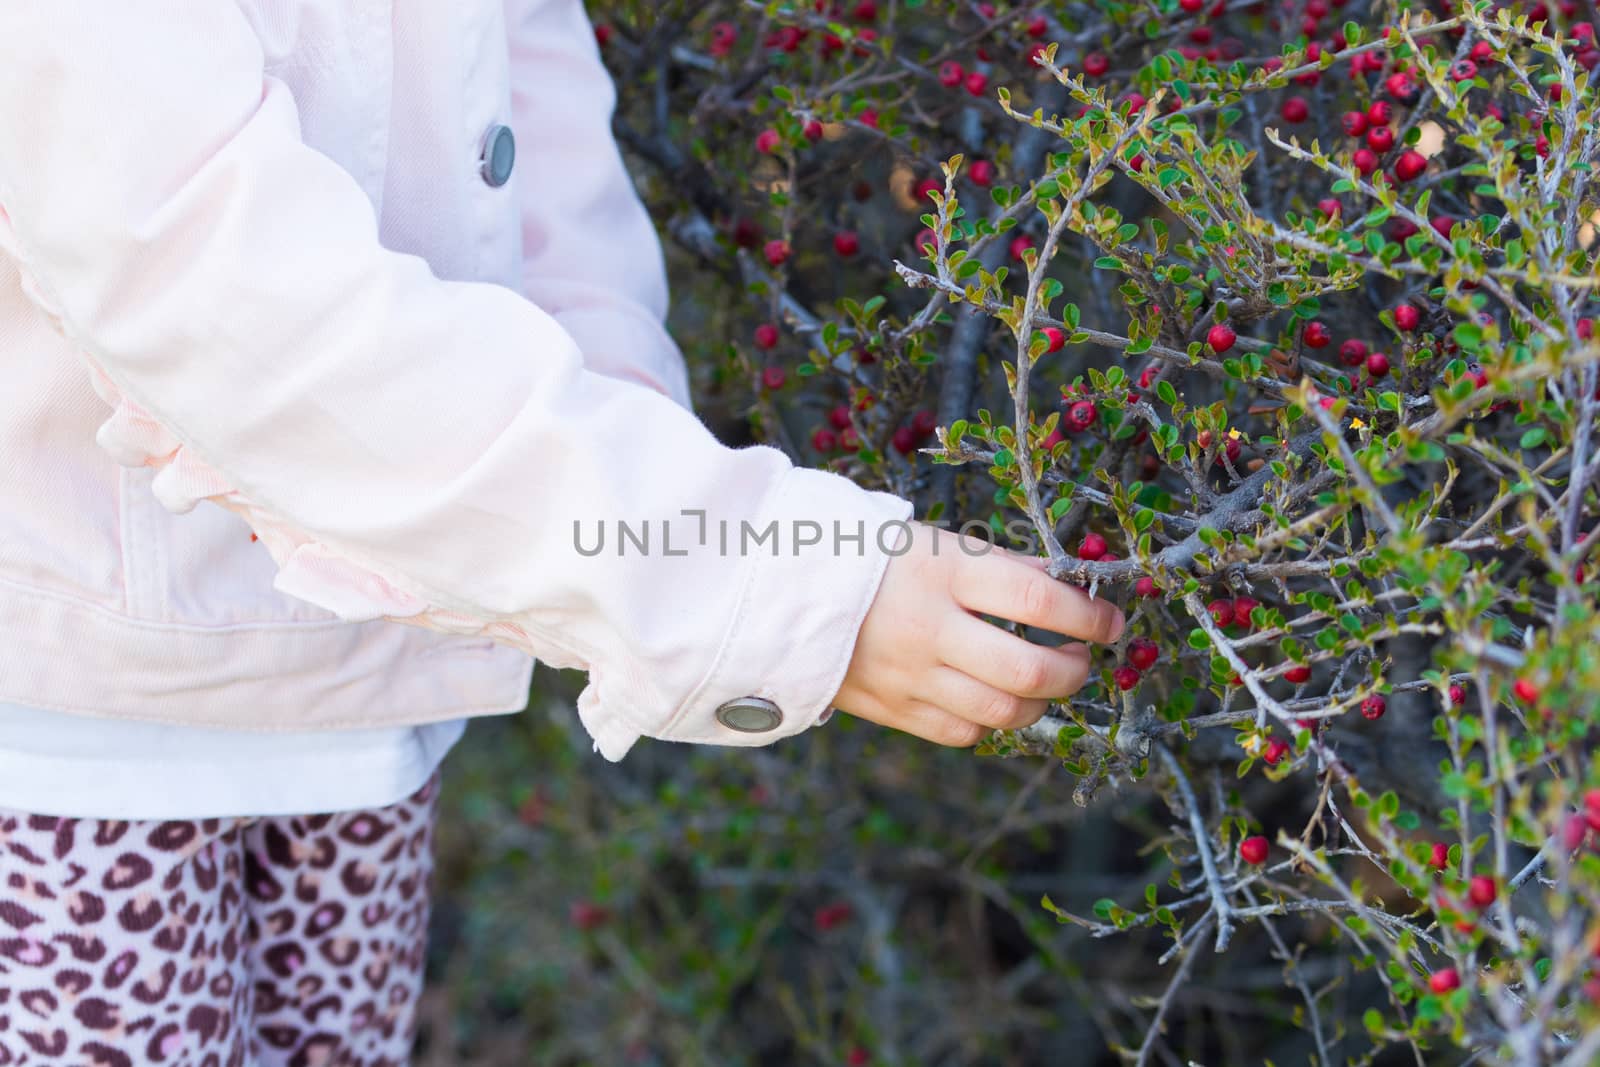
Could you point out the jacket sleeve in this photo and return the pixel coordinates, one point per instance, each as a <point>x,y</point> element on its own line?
<point>591,256</point>
<point>407,448</point>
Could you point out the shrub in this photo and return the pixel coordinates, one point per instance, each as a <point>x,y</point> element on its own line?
<point>1274,324</point>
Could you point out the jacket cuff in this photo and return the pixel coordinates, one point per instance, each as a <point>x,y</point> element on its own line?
<point>789,648</point>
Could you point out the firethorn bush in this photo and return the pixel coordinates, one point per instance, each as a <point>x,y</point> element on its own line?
<point>1273,323</point>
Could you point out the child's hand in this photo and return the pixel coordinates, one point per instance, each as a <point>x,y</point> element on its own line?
<point>927,664</point>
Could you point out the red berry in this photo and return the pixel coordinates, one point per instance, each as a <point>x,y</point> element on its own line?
<point>858,1057</point>
<point>849,440</point>
<point>1355,123</point>
<point>904,440</point>
<point>813,131</point>
<point>981,173</point>
<point>1525,691</point>
<point>1463,70</point>
<point>1145,587</point>
<point>1410,165</point>
<point>866,11</point>
<point>1038,26</point>
<point>923,422</point>
<point>1095,64</point>
<point>766,336</point>
<point>1380,139</point>
<point>1254,850</point>
<point>1353,353</point>
<point>1277,748</point>
<point>1482,52</point>
<point>869,117</point>
<point>1080,416</point>
<point>1378,365</point>
<point>602,34</point>
<point>829,916</point>
<point>1054,339</point>
<point>1295,109</point>
<point>1365,161</point>
<point>1401,86</point>
<point>1316,335</point>
<point>1407,318</point>
<point>1458,695</point>
<point>772,377</point>
<point>1330,207</point>
<point>1381,113</point>
<point>1242,609</point>
<point>925,189</point>
<point>1192,6</point>
<point>587,916</point>
<point>1439,855</point>
<point>840,416</point>
<point>1299,674</point>
<point>1585,329</point>
<point>723,37</point>
<point>977,82</point>
<point>846,243</point>
<point>951,74</point>
<point>1221,338</point>
<point>926,241</point>
<point>1093,547</point>
<point>1143,653</point>
<point>1020,244</point>
<point>777,252</point>
<point>824,440</point>
<point>1573,831</point>
<point>1373,707</point>
<point>1126,678</point>
<point>1444,980</point>
<point>1481,891</point>
<point>1591,801</point>
<point>1221,611</point>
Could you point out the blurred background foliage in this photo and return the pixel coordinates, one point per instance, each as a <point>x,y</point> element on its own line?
<point>851,896</point>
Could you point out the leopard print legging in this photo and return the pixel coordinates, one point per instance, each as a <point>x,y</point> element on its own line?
<point>276,942</point>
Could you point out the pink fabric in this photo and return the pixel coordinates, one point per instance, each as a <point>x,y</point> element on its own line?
<point>256,232</point>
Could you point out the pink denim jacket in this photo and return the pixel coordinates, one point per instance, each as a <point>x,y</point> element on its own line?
<point>266,256</point>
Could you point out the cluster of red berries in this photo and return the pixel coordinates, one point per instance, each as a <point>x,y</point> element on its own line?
<point>1227,612</point>
<point>1373,126</point>
<point>905,439</point>
<point>840,433</point>
<point>1094,548</point>
<point>1142,654</point>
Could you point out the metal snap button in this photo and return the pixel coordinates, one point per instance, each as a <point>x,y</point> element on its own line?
<point>750,715</point>
<point>499,155</point>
